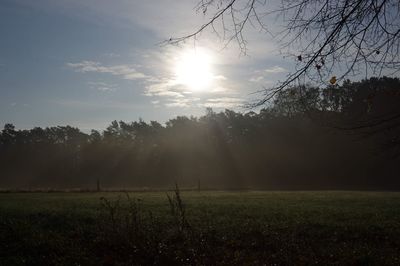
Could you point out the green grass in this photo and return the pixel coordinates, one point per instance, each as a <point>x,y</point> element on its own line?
<point>224,228</point>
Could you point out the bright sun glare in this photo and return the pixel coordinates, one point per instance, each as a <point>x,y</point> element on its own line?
<point>193,69</point>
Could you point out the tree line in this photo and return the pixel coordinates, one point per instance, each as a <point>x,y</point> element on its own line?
<point>339,137</point>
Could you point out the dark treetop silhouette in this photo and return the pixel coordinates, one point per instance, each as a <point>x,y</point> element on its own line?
<point>292,144</point>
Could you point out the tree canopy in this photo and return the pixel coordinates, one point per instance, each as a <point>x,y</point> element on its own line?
<point>292,144</point>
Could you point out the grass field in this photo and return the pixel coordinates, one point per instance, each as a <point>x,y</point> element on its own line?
<point>200,228</point>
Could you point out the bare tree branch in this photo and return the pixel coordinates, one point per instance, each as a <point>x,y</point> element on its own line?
<point>326,38</point>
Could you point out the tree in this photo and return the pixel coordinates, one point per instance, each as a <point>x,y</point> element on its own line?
<point>8,135</point>
<point>328,39</point>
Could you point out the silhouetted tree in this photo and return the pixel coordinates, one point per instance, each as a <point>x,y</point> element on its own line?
<point>292,144</point>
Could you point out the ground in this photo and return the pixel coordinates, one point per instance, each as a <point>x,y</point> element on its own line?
<point>200,228</point>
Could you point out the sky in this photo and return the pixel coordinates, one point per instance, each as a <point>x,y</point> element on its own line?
<point>85,63</point>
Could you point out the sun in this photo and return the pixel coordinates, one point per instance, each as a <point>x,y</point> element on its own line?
<point>193,70</point>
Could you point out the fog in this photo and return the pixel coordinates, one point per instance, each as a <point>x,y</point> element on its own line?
<point>340,137</point>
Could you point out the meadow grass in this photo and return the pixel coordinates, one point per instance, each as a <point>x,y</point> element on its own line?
<point>205,228</point>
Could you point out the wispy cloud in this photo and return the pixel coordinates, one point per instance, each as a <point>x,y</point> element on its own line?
<point>275,69</point>
<point>256,79</point>
<point>168,86</point>
<point>111,55</point>
<point>220,77</point>
<point>102,86</point>
<point>223,102</point>
<point>14,104</point>
<point>182,102</point>
<point>261,74</point>
<point>125,71</point>
<point>163,87</point>
<point>156,73</point>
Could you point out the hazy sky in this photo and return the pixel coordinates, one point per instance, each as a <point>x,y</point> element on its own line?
<point>88,62</point>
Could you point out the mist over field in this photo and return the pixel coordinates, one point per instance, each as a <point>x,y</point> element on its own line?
<point>313,140</point>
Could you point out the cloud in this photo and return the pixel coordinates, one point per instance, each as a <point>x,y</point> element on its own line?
<point>256,78</point>
<point>220,77</point>
<point>271,72</point>
<point>156,72</point>
<point>163,87</point>
<point>223,102</point>
<point>275,69</point>
<point>14,104</point>
<point>167,84</point>
<point>220,90</point>
<point>102,86</point>
<point>111,55</point>
<point>177,95</point>
<point>182,102</point>
<point>128,72</point>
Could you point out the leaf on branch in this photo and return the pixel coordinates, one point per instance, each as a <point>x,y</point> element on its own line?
<point>333,80</point>
<point>299,58</point>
